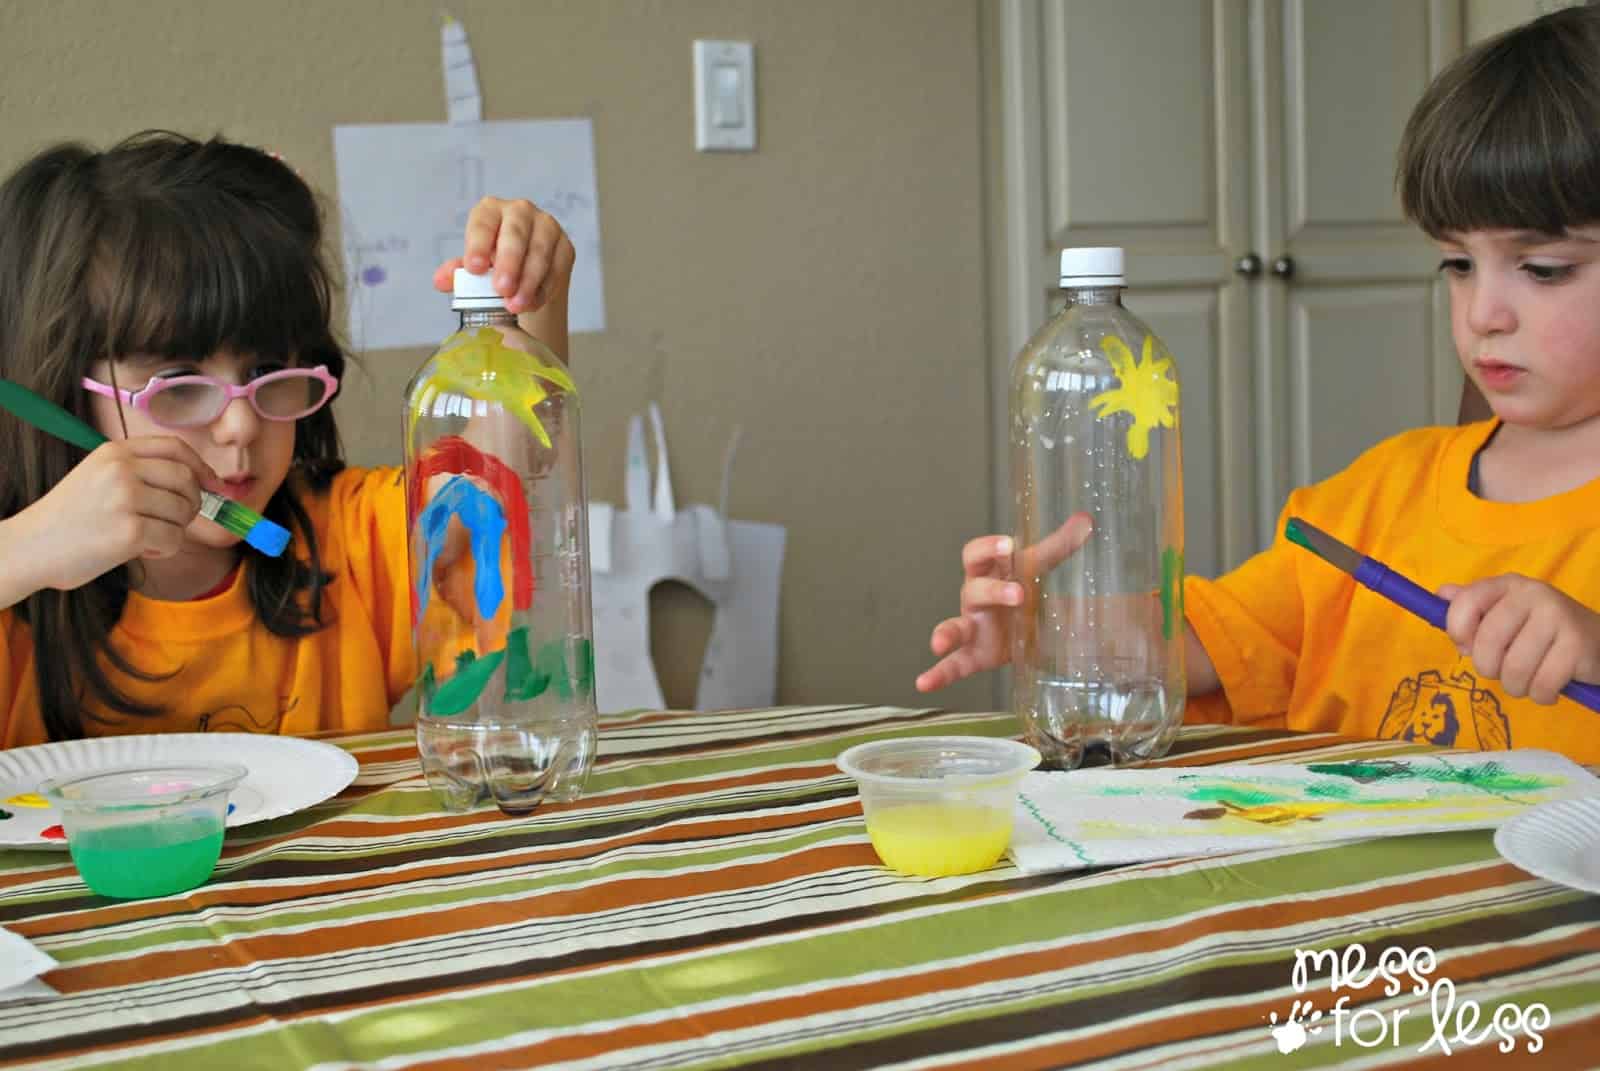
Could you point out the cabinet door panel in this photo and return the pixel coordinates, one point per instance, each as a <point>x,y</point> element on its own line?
<point>1350,389</point>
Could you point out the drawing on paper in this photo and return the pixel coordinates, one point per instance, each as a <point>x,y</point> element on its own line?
<point>1104,816</point>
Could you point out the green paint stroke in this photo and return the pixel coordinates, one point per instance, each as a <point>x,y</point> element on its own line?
<point>462,690</point>
<point>1051,831</point>
<point>1490,777</point>
<point>1332,790</point>
<point>1244,797</point>
<point>524,681</point>
<point>570,664</point>
<point>1171,591</point>
<point>4,814</point>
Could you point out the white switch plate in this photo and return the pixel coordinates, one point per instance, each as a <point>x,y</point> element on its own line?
<point>724,96</point>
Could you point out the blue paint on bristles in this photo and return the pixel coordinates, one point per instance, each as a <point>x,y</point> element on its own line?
<point>266,536</point>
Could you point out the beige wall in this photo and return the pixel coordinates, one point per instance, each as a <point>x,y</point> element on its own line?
<point>827,291</point>
<point>1488,17</point>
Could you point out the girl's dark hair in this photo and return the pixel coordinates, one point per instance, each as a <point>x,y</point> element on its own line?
<point>1509,134</point>
<point>162,245</point>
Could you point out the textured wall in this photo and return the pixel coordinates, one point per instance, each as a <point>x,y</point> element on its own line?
<point>1485,18</point>
<point>827,291</point>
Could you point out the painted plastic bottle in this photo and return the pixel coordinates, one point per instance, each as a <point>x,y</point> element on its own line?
<point>498,527</point>
<point>1097,645</point>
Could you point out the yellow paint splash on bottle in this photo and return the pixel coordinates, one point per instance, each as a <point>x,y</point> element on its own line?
<point>483,367</point>
<point>1145,390</point>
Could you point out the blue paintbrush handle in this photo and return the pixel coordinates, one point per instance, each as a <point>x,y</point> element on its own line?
<point>1432,609</point>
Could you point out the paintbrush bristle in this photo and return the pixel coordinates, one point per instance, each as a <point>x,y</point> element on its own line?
<point>1322,544</point>
<point>266,536</point>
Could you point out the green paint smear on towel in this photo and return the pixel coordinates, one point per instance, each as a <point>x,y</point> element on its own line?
<point>1484,776</point>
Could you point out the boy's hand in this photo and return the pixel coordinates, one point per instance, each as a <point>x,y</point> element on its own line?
<point>531,255</point>
<point>1524,633</point>
<point>980,638</point>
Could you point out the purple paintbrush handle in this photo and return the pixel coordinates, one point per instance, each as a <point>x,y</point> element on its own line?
<point>1586,694</point>
<point>1432,609</point>
<point>1397,589</point>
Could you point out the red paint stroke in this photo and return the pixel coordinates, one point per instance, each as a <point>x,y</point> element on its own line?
<point>454,456</point>
<point>53,833</point>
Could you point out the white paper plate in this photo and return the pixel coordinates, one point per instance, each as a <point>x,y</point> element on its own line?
<point>287,774</point>
<point>1558,841</point>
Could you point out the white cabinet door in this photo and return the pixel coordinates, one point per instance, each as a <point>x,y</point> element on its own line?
<point>1197,133</point>
<point>1353,340</point>
<point>1130,129</point>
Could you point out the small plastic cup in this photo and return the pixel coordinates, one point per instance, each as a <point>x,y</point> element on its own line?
<point>145,831</point>
<point>939,805</point>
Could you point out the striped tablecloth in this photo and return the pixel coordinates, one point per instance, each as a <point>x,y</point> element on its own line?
<point>713,901</point>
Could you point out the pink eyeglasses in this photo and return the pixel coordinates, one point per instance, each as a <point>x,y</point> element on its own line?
<point>193,401</point>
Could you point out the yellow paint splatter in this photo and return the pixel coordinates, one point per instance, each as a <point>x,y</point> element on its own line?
<point>28,799</point>
<point>1294,812</point>
<point>483,367</point>
<point>1280,814</point>
<point>1145,390</point>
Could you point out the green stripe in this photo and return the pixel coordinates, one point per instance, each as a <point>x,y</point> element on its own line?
<point>468,894</point>
<point>1053,915</point>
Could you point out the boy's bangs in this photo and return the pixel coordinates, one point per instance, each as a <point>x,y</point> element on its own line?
<point>186,288</point>
<point>1506,155</point>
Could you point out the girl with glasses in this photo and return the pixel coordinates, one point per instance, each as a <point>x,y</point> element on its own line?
<point>173,293</point>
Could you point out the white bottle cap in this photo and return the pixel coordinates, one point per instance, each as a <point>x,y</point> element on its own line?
<point>1099,265</point>
<point>474,291</point>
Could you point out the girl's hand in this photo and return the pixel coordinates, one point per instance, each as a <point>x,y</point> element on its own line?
<point>128,499</point>
<point>1530,637</point>
<point>980,638</point>
<point>531,255</point>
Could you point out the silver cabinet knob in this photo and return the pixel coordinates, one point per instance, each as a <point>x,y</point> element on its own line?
<point>1248,266</point>
<point>1283,267</point>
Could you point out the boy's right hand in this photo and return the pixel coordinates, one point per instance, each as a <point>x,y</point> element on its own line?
<point>128,499</point>
<point>980,638</point>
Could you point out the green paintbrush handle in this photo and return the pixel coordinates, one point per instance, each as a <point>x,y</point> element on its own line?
<point>47,416</point>
<point>50,418</point>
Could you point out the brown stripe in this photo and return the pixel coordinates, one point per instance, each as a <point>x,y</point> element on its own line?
<point>624,892</point>
<point>440,984</point>
<point>353,871</point>
<point>1273,974</point>
<point>1224,753</point>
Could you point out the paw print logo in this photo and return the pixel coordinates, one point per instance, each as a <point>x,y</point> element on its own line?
<point>1294,1030</point>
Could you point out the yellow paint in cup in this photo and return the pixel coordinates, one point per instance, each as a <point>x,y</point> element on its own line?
<point>932,840</point>
<point>939,805</point>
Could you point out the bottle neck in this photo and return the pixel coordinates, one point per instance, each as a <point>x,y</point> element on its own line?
<point>497,316</point>
<point>1094,295</point>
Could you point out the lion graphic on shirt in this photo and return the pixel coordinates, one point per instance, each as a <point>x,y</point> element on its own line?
<point>1453,712</point>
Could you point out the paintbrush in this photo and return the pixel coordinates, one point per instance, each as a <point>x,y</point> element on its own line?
<point>1400,590</point>
<point>244,522</point>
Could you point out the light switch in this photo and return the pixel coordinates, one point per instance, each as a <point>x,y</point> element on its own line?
<point>724,96</point>
<point>727,109</point>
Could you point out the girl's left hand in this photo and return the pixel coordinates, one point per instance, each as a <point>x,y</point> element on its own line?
<point>531,255</point>
<point>1531,637</point>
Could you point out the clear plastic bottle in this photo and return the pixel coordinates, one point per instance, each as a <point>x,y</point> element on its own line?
<point>498,527</point>
<point>1097,648</point>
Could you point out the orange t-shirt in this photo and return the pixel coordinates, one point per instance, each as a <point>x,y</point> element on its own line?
<point>1298,643</point>
<point>229,672</point>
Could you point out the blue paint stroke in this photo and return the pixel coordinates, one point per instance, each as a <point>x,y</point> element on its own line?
<point>485,521</point>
